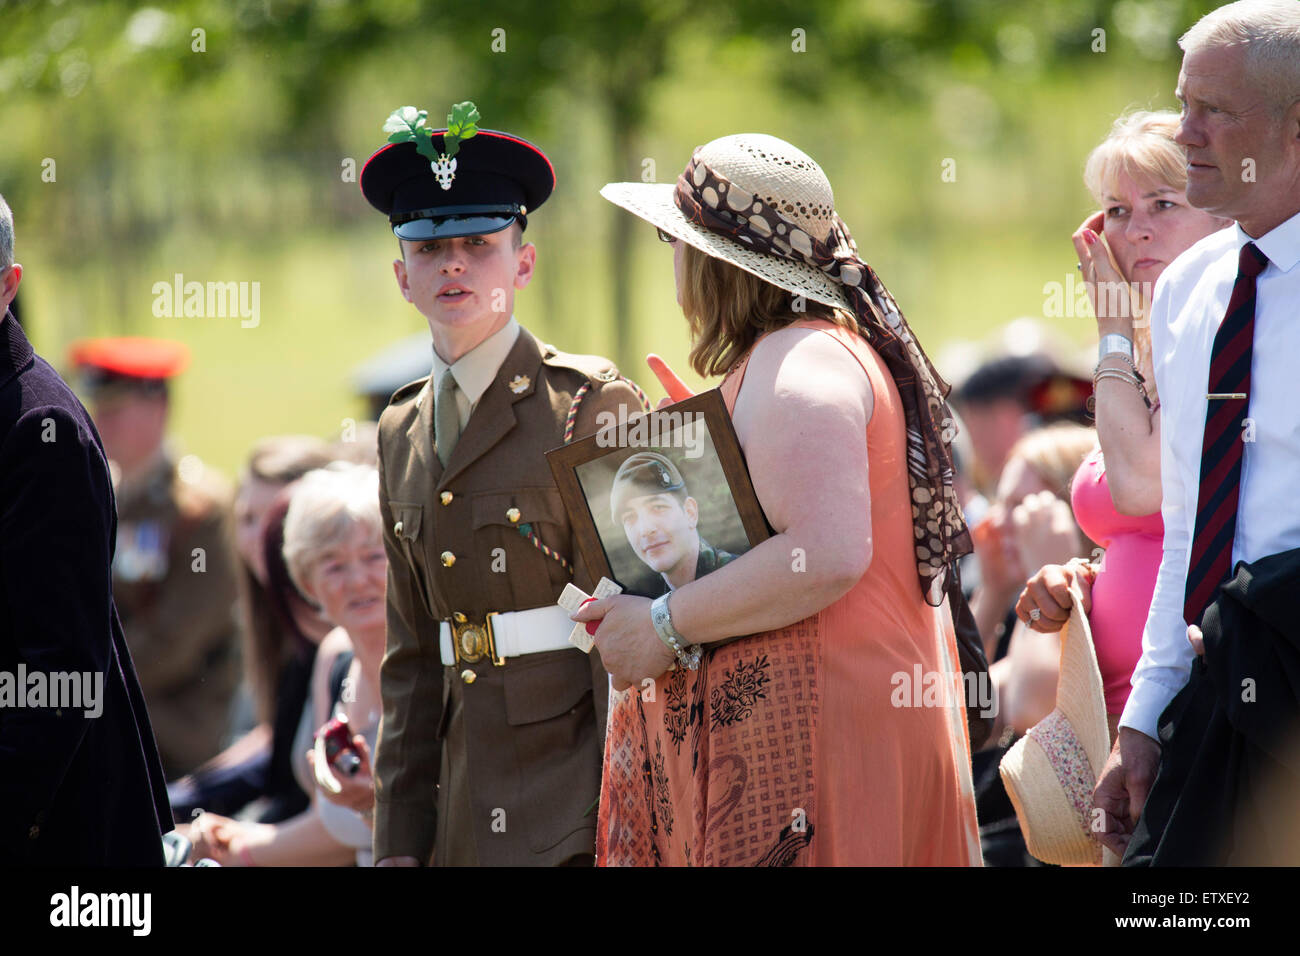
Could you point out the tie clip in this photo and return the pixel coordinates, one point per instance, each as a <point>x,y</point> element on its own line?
<point>1217,395</point>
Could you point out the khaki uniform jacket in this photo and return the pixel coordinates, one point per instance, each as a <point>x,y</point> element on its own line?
<point>504,770</point>
<point>178,608</point>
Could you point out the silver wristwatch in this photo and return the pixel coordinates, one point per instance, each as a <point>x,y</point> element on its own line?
<point>1113,342</point>
<point>662,618</point>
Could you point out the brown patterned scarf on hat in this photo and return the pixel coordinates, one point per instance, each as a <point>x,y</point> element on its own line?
<point>708,200</point>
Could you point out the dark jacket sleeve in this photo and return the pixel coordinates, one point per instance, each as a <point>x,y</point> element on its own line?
<point>55,532</point>
<point>1252,656</point>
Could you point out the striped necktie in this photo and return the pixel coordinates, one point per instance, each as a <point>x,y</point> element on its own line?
<point>1222,446</point>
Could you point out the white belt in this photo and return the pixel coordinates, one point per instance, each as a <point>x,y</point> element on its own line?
<point>515,633</point>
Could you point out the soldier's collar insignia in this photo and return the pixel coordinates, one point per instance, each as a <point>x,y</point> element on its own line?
<point>406,125</point>
<point>520,384</point>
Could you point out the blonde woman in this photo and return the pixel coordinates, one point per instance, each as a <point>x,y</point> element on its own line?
<point>797,744</point>
<point>1138,176</point>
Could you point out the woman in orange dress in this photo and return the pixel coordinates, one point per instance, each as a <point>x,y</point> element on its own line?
<point>836,732</point>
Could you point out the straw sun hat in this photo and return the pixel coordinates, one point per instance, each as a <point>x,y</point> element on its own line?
<point>762,166</point>
<point>1050,773</point>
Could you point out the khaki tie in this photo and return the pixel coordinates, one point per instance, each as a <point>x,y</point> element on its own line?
<point>446,418</point>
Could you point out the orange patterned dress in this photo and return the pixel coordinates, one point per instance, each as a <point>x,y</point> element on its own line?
<point>812,744</point>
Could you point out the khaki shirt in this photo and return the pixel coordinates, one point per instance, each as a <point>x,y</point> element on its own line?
<point>517,774</point>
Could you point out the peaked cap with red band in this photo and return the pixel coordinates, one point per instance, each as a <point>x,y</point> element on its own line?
<point>496,179</point>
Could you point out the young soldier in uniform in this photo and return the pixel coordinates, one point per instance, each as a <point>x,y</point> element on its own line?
<point>174,568</point>
<point>490,745</point>
<point>648,500</point>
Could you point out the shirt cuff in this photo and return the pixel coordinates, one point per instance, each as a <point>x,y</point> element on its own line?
<point>405,828</point>
<point>1146,702</point>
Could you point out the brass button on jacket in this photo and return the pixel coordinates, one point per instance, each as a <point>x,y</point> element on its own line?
<point>446,497</point>
<point>448,559</point>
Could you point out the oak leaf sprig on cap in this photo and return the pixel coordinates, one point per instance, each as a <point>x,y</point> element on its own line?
<point>462,123</point>
<point>407,125</point>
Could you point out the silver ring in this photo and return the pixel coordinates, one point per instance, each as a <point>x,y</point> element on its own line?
<point>1034,615</point>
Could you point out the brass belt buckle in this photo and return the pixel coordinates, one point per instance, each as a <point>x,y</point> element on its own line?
<point>474,641</point>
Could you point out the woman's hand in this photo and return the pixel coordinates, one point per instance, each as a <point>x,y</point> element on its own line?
<point>629,646</point>
<point>358,790</point>
<point>1048,593</point>
<point>209,836</point>
<point>236,841</point>
<point>1044,531</point>
<point>239,838</point>
<point>1114,307</point>
<point>1000,572</point>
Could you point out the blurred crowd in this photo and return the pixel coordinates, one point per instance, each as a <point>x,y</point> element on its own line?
<point>255,615</point>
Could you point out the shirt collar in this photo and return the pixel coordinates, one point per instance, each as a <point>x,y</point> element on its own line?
<point>1281,244</point>
<point>477,368</point>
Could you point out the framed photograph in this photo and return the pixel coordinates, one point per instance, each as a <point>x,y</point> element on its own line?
<point>661,498</point>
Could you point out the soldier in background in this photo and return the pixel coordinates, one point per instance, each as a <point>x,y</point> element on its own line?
<point>174,568</point>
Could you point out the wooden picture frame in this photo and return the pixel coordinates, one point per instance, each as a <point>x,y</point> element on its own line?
<point>697,437</point>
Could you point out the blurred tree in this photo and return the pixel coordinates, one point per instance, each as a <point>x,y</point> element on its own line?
<point>128,96</point>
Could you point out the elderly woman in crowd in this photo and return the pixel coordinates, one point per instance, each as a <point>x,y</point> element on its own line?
<point>334,552</point>
<point>1138,176</point>
<point>786,747</point>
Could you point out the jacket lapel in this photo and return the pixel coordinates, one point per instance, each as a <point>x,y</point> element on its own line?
<point>494,415</point>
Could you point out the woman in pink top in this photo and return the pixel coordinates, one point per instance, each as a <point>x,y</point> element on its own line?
<point>1139,177</point>
<point>1125,579</point>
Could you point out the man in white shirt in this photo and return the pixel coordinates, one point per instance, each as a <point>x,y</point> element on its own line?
<point>1240,89</point>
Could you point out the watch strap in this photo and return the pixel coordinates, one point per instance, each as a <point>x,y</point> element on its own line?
<point>1113,342</point>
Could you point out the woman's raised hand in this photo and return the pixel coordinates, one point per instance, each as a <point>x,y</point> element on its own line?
<point>1100,273</point>
<point>1044,531</point>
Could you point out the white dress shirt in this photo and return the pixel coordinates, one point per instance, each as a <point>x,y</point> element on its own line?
<point>476,369</point>
<point>1191,298</point>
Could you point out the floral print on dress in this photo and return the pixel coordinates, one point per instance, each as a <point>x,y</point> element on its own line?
<point>663,799</point>
<point>676,711</point>
<point>734,699</point>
